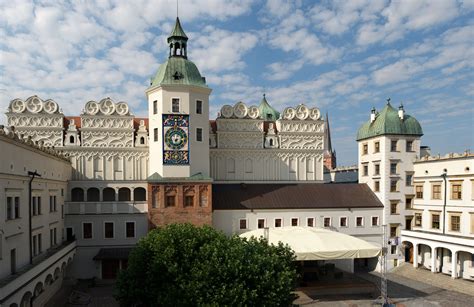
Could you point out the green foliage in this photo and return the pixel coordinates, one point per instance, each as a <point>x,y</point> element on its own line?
<point>184,265</point>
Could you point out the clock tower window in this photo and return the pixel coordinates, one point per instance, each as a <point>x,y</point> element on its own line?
<point>175,105</point>
<point>199,134</point>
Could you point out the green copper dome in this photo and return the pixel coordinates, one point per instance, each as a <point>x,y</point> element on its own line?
<point>178,71</point>
<point>388,122</point>
<point>266,111</point>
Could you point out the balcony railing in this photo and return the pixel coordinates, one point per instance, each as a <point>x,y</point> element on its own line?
<point>106,207</point>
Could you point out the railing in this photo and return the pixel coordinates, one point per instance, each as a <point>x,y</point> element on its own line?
<point>106,207</point>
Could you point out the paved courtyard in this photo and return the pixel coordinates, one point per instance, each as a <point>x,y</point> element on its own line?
<point>408,286</point>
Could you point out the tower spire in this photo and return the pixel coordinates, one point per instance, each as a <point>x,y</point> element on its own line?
<point>328,135</point>
<point>177,41</point>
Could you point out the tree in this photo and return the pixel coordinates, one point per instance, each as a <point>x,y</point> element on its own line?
<point>185,265</point>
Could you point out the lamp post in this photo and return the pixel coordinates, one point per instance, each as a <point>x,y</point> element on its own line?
<point>444,175</point>
<point>32,176</point>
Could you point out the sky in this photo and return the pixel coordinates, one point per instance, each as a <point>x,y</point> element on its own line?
<point>343,57</point>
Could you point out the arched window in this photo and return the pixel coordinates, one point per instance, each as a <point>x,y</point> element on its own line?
<point>142,140</point>
<point>124,194</point>
<point>139,194</point>
<point>271,142</point>
<point>108,194</point>
<point>77,194</point>
<point>93,194</point>
<point>71,139</point>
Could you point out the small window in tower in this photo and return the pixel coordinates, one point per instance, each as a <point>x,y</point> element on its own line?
<point>71,139</point>
<point>271,142</point>
<point>175,105</point>
<point>269,117</point>
<point>198,107</point>
<point>142,140</point>
<point>155,134</point>
<point>199,134</point>
<point>155,107</point>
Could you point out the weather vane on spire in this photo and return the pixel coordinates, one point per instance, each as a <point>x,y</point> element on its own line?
<point>388,100</point>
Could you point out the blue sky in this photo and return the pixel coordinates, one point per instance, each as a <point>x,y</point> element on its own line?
<point>341,56</point>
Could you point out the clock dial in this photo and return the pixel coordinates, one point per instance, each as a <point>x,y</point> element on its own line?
<point>176,138</point>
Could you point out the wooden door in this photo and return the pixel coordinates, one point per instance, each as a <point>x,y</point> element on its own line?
<point>110,269</point>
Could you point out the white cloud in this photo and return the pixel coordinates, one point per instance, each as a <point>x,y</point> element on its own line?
<point>220,50</point>
<point>398,71</point>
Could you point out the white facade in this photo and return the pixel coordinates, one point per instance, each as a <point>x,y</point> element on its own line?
<point>22,282</point>
<point>245,148</point>
<point>387,168</point>
<point>442,234</point>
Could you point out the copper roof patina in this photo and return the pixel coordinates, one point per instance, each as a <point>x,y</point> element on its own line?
<point>387,122</point>
<point>267,112</point>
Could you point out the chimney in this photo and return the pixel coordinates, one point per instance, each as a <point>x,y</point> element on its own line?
<point>372,115</point>
<point>401,111</point>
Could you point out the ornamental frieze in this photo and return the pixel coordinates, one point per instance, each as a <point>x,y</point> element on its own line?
<point>49,138</point>
<point>32,121</point>
<point>301,142</point>
<point>300,126</point>
<point>107,139</point>
<point>106,122</point>
<point>237,125</point>
<point>236,140</point>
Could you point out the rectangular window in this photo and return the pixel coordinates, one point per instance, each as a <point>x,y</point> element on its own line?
<point>359,221</point>
<point>50,203</point>
<point>343,222</point>
<point>198,107</point>
<point>294,222</point>
<point>155,134</point>
<point>393,185</point>
<point>393,145</point>
<point>376,169</point>
<point>455,223</point>
<point>365,148</point>
<point>393,168</point>
<point>419,191</point>
<point>366,170</point>
<point>377,186</point>
<point>242,224</point>
<point>51,241</point>
<point>155,107</point>
<point>16,211</point>
<point>55,232</point>
<point>418,219</point>
<point>310,222</point>
<point>456,191</point>
<point>188,200</point>
<point>393,249</point>
<point>394,207</point>
<point>175,105</point>
<point>377,147</point>
<point>375,221</point>
<point>55,207</point>
<point>260,223</point>
<point>170,200</point>
<point>393,231</point>
<point>408,179</point>
<point>40,243</point>
<point>409,146</point>
<point>9,208</point>
<point>35,244</point>
<point>108,230</point>
<point>278,223</point>
<point>436,191</point>
<point>87,230</point>
<point>130,229</point>
<point>327,222</point>
<point>435,221</point>
<point>199,134</point>
<point>408,203</point>
<point>39,205</point>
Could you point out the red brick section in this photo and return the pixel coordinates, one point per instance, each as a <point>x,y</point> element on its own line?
<point>160,213</point>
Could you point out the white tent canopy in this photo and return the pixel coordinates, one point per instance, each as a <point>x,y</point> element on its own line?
<point>310,243</point>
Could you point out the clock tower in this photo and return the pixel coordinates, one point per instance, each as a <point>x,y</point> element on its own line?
<point>179,185</point>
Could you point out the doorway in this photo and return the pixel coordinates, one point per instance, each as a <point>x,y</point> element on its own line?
<point>110,268</point>
<point>408,252</point>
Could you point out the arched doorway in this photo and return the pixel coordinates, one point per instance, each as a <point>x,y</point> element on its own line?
<point>408,248</point>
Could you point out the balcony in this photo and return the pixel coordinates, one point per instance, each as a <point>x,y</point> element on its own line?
<point>106,207</point>
<point>51,262</point>
<point>439,237</point>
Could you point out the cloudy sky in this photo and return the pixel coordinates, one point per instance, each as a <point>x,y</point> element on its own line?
<point>341,56</point>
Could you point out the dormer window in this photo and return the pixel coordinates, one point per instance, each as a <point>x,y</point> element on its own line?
<point>71,139</point>
<point>178,76</point>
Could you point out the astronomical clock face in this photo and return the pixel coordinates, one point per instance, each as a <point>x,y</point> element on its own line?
<point>175,139</point>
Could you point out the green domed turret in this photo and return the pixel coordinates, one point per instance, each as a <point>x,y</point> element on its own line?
<point>388,121</point>
<point>178,70</point>
<point>266,110</point>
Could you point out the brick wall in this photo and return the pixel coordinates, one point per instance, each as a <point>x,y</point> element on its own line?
<point>192,204</point>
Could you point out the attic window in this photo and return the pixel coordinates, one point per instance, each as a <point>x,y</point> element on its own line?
<point>178,76</point>
<point>270,116</point>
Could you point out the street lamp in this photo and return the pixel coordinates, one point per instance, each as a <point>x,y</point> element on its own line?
<point>32,176</point>
<point>444,175</point>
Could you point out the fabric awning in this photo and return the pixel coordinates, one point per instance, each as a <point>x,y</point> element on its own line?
<point>116,253</point>
<point>310,243</point>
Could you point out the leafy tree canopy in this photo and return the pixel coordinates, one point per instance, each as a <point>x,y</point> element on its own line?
<point>185,265</point>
